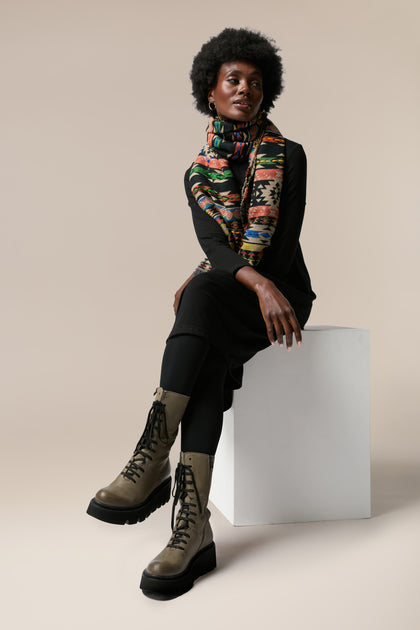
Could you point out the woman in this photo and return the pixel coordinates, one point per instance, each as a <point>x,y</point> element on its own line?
<point>246,190</point>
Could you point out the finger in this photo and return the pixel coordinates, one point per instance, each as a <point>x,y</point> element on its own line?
<point>270,332</point>
<point>288,331</point>
<point>296,329</point>
<point>292,326</point>
<point>279,332</point>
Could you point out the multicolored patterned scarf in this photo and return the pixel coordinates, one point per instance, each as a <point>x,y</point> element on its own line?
<point>248,217</point>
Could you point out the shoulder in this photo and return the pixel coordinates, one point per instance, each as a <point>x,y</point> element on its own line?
<point>295,158</point>
<point>294,149</point>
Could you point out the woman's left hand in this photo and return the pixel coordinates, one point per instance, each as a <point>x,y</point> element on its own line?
<point>179,292</point>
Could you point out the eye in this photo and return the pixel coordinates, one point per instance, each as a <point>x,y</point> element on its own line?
<point>232,80</point>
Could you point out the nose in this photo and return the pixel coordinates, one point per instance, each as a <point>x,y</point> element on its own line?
<point>244,88</point>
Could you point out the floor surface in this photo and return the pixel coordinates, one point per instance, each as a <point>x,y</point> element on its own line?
<point>62,569</point>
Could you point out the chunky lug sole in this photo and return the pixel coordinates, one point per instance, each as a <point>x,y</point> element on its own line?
<point>176,585</point>
<point>130,516</point>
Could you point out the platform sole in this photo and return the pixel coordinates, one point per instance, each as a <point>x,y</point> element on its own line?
<point>176,585</point>
<point>130,516</point>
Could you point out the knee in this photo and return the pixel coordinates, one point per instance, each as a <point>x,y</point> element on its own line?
<point>198,296</point>
<point>205,295</point>
<point>208,284</point>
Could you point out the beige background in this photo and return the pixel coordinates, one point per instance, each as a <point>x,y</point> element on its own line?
<point>97,129</point>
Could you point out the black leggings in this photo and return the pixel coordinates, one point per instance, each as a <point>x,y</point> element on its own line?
<point>191,366</point>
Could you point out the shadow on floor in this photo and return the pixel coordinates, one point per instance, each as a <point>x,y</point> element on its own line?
<point>395,486</point>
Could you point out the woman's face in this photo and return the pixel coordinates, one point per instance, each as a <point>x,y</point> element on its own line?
<point>239,91</point>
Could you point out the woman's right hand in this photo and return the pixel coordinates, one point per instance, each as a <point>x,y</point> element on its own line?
<point>278,313</point>
<point>279,316</point>
<point>179,292</point>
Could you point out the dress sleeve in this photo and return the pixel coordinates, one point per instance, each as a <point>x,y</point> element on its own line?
<point>212,238</point>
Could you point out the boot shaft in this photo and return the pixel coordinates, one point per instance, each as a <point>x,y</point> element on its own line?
<point>198,470</point>
<point>191,530</point>
<point>174,408</point>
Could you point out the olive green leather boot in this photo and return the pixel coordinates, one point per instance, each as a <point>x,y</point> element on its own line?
<point>190,551</point>
<point>145,482</point>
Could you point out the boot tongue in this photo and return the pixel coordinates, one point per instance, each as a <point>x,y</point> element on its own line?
<point>156,427</point>
<point>154,431</point>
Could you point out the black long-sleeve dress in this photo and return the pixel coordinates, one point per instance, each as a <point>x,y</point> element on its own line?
<point>216,306</point>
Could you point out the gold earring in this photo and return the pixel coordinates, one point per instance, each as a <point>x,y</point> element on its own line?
<point>212,109</point>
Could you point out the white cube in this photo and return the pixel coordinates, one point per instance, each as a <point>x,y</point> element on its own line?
<point>295,444</point>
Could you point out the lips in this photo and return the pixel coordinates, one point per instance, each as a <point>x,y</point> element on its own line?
<point>243,104</point>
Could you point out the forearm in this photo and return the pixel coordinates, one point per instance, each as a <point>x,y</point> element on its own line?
<point>213,241</point>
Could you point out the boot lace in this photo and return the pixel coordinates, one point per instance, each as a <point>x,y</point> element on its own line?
<point>156,427</point>
<point>185,491</point>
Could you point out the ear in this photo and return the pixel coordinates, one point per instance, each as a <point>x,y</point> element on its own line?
<point>210,95</point>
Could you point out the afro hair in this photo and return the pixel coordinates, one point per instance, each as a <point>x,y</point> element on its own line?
<point>234,44</point>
